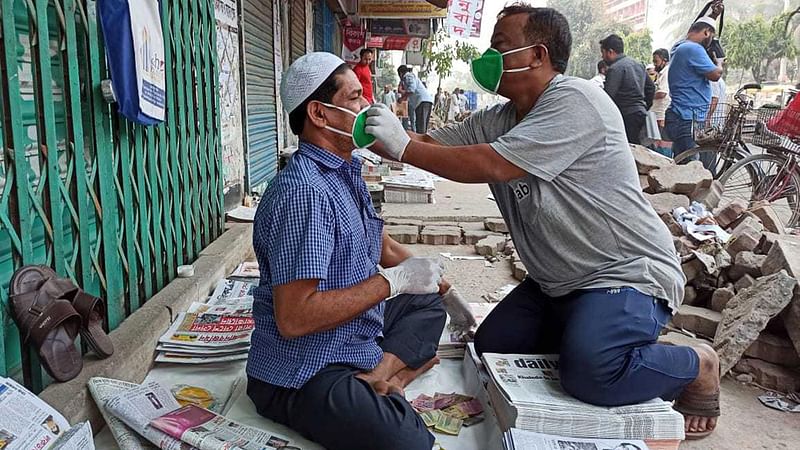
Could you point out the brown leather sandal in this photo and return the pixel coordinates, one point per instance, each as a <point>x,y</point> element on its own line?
<point>47,323</point>
<point>701,405</point>
<point>91,309</point>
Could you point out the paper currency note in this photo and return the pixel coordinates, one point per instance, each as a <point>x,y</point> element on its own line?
<point>431,418</point>
<point>456,411</point>
<point>448,425</point>
<point>471,407</point>
<point>442,401</point>
<point>423,403</point>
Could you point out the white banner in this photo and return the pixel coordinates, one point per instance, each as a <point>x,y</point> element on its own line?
<point>148,43</point>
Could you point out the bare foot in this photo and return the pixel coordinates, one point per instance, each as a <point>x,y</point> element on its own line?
<point>404,377</point>
<point>706,383</point>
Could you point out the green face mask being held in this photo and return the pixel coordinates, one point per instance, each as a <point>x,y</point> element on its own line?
<point>361,139</point>
<point>487,70</point>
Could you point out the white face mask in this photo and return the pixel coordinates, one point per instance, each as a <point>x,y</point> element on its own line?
<point>360,138</point>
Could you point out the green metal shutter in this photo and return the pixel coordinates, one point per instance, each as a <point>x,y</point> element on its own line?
<point>260,98</point>
<point>298,29</point>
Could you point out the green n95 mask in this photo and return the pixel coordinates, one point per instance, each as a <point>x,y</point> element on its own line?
<point>361,139</point>
<point>487,70</point>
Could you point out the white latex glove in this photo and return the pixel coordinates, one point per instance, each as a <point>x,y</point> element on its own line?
<point>461,318</point>
<point>414,276</point>
<point>388,130</point>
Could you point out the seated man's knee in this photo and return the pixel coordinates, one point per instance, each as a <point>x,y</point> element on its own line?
<point>590,377</point>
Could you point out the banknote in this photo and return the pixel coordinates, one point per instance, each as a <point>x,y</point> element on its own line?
<point>471,407</point>
<point>423,403</point>
<point>431,418</point>
<point>442,401</point>
<point>456,411</point>
<point>448,425</point>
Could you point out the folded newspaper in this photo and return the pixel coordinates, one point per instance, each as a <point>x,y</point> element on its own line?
<point>151,411</point>
<point>216,331</point>
<point>514,439</point>
<point>28,423</point>
<point>525,392</point>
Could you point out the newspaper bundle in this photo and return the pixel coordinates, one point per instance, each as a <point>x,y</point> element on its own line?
<point>452,343</point>
<point>28,423</point>
<point>514,439</point>
<point>151,411</point>
<point>102,390</point>
<point>526,393</point>
<point>217,331</point>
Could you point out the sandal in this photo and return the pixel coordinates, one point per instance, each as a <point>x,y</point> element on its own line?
<point>701,405</point>
<point>48,324</point>
<point>91,310</point>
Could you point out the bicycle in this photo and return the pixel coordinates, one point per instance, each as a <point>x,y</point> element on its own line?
<point>770,179</point>
<point>720,134</point>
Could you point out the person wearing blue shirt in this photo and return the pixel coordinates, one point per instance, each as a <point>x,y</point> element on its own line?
<point>344,316</point>
<point>420,101</point>
<point>690,73</point>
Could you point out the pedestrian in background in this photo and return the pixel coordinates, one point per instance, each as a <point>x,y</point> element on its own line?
<point>420,101</point>
<point>628,84</point>
<point>389,98</point>
<point>661,100</point>
<point>690,73</point>
<point>364,74</point>
<point>600,78</point>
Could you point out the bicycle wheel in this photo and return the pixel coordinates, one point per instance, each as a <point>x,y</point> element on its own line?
<point>713,159</point>
<point>766,177</point>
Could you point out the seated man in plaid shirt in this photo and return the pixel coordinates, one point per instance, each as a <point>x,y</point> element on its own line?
<point>345,316</point>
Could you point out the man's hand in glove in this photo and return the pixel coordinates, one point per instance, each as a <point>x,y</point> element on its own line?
<point>414,276</point>
<point>461,318</point>
<point>388,130</point>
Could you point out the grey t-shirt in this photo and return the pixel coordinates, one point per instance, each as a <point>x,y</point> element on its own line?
<point>578,219</point>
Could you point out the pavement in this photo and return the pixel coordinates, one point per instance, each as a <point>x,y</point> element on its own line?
<point>455,202</point>
<point>745,422</point>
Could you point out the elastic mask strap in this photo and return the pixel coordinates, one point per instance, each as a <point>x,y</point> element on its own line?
<point>517,50</point>
<point>340,109</point>
<point>337,131</point>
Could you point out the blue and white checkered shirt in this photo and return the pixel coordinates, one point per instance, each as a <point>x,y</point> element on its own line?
<point>316,221</point>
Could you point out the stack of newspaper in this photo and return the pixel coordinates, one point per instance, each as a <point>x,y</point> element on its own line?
<point>141,415</point>
<point>514,439</point>
<point>452,343</point>
<point>216,331</point>
<point>26,422</point>
<point>526,393</point>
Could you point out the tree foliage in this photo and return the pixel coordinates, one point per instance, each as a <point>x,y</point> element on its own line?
<point>681,13</point>
<point>589,25</point>
<point>756,43</point>
<point>440,53</point>
<point>639,45</point>
<point>387,73</point>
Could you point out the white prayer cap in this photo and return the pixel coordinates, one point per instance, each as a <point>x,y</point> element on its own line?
<point>306,75</point>
<point>709,21</point>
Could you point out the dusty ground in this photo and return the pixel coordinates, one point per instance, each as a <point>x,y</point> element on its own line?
<point>745,423</point>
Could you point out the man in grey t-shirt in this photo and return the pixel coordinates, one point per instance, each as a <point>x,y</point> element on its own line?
<point>604,276</point>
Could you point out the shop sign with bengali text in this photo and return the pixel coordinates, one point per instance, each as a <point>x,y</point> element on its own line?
<point>398,9</point>
<point>407,43</point>
<point>401,27</point>
<point>353,40</point>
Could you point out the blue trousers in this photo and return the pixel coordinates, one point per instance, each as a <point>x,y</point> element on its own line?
<point>606,339</point>
<point>680,131</point>
<point>342,412</point>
